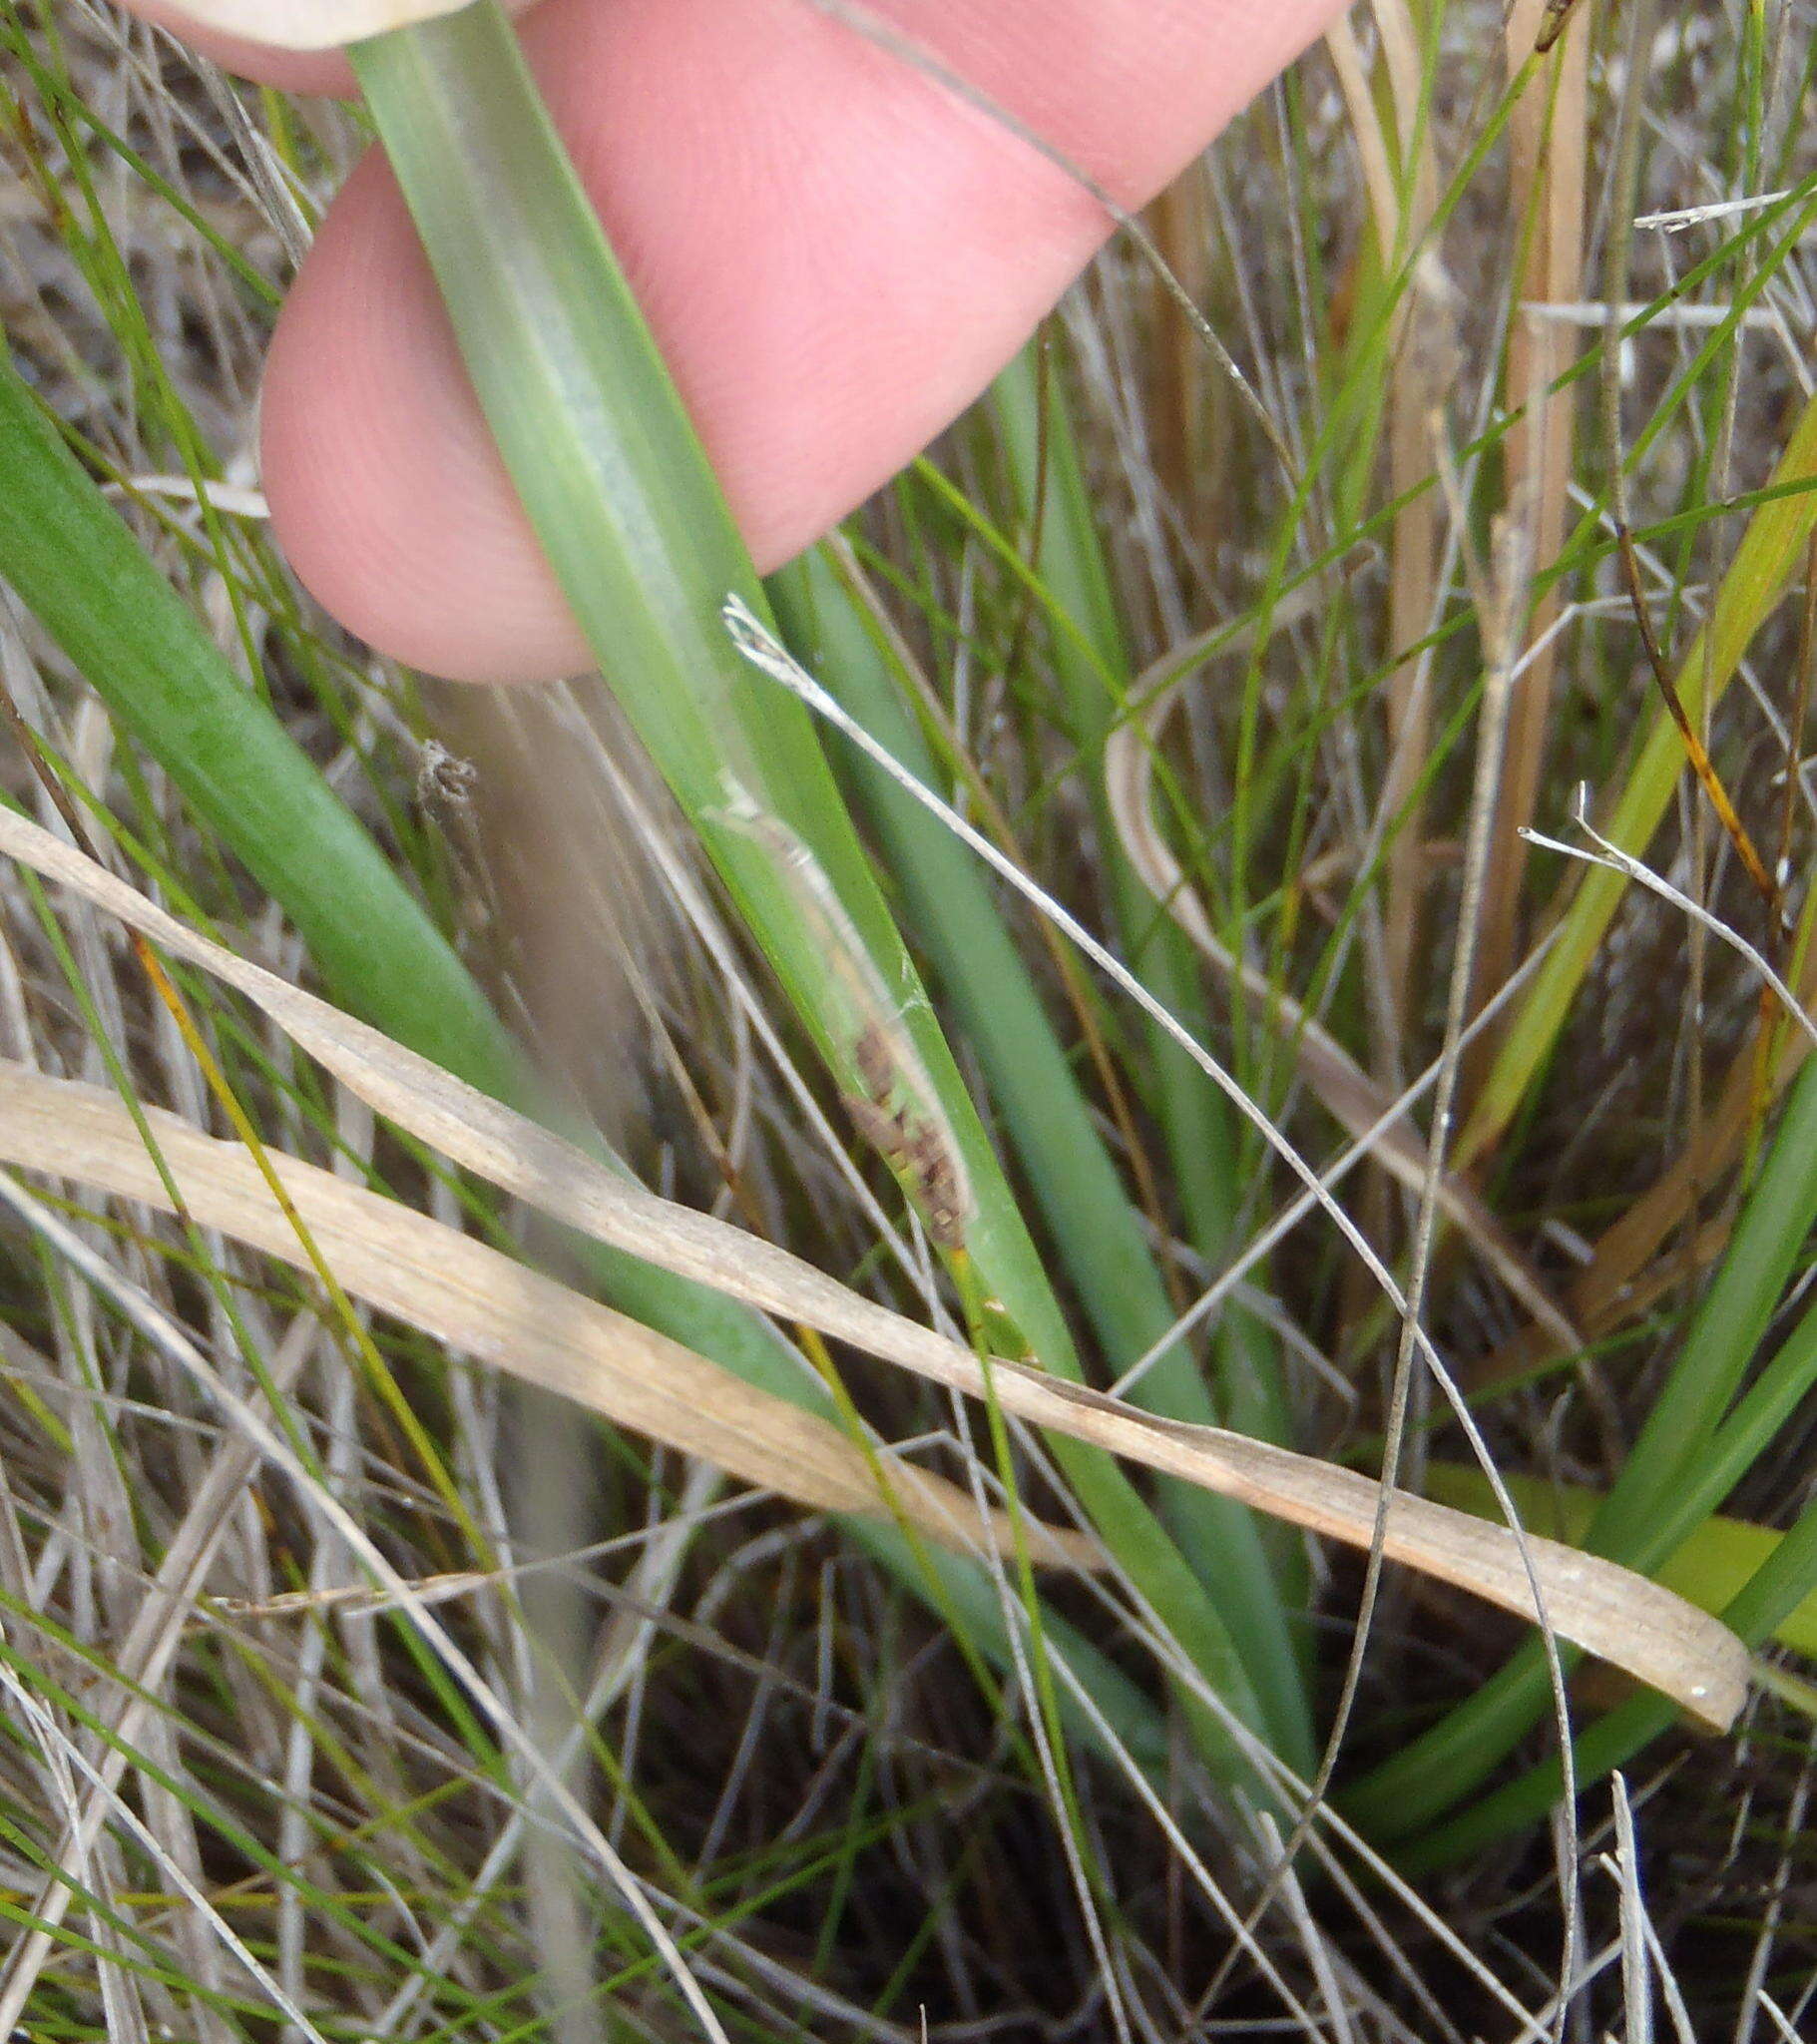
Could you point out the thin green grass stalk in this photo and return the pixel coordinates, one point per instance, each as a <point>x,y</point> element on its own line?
<point>1770,550</point>
<point>1775,1590</point>
<point>631,520</point>
<point>1316,529</point>
<point>73,115</point>
<point>1095,1228</point>
<point>1686,1463</point>
<point>1095,675</point>
<point>80,570</point>
<point>106,269</point>
<point>355,1923</point>
<point>75,565</point>
<point>1092,668</point>
<point>346,1332</point>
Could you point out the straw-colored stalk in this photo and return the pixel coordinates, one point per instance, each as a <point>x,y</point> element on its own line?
<point>1546,139</point>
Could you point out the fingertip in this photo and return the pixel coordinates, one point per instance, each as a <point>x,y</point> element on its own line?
<point>390,500</point>
<point>289,70</point>
<point>303,71</point>
<point>830,279</point>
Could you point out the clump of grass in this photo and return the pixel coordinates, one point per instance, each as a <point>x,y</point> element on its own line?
<point>278,1795</point>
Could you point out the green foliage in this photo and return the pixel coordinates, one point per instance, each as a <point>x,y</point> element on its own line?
<point>1037,560</point>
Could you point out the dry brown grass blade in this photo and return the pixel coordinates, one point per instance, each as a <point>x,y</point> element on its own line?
<point>1702,765</point>
<point>1184,402</point>
<point>1547,139</point>
<point>1356,1101</point>
<point>1612,1613</point>
<point>515,1320</point>
<point>495,1309</point>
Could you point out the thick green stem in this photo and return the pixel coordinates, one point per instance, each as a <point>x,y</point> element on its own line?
<point>1095,1228</point>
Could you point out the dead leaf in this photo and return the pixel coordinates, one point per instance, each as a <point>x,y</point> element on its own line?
<point>1609,1611</point>
<point>493,1308</point>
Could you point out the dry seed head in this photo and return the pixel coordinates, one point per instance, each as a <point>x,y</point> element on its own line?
<point>444,777</point>
<point>886,1087</point>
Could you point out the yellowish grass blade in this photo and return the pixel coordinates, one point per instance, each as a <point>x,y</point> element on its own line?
<point>1547,139</point>
<point>1615,1287</point>
<point>1770,549</point>
<point>1611,1612</point>
<point>481,1301</point>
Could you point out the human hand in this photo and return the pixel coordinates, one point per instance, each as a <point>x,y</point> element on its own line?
<point>835,253</point>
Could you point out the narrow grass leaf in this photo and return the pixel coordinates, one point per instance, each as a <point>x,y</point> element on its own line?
<point>1097,1229</point>
<point>1770,549</point>
<point>79,570</point>
<point>1685,1464</point>
<point>628,510</point>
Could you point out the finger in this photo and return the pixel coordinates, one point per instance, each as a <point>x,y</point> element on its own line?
<point>293,70</point>
<point>836,256</point>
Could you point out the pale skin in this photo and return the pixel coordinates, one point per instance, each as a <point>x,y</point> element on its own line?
<point>835,255</point>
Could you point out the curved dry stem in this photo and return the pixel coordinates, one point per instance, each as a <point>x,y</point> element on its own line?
<point>484,1304</point>
<point>1358,1103</point>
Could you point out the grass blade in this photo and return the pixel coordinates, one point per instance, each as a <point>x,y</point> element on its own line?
<point>1675,1477</point>
<point>515,1320</point>
<point>1776,1589</point>
<point>1770,550</point>
<point>631,518</point>
<point>79,570</point>
<point>1095,1227</point>
<point>75,565</point>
